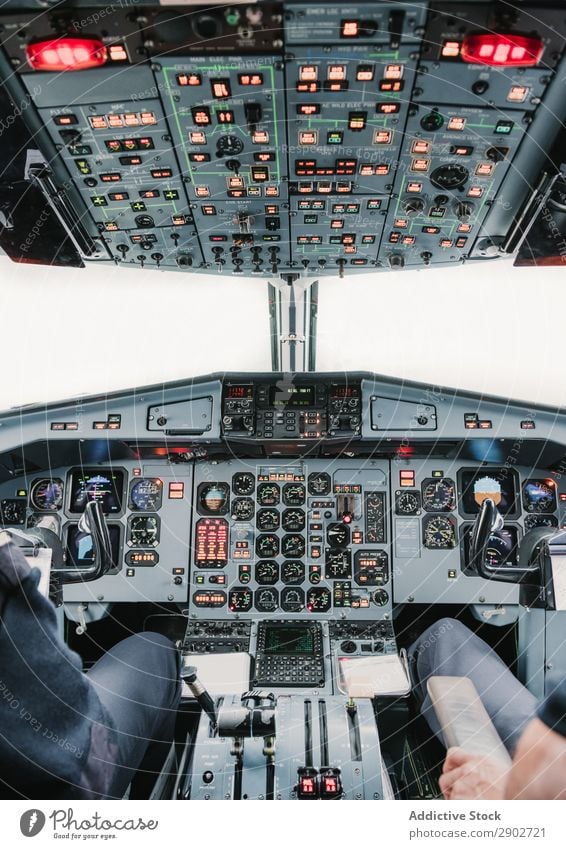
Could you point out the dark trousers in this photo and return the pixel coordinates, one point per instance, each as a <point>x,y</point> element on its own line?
<point>449,648</point>
<point>138,683</point>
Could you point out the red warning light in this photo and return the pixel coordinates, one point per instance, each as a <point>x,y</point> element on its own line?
<point>499,49</point>
<point>66,54</point>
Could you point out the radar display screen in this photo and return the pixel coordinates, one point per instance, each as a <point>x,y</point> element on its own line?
<point>102,485</point>
<point>293,640</point>
<point>211,543</point>
<point>80,553</point>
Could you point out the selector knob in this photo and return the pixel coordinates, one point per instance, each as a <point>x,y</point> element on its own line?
<point>348,646</point>
<point>413,206</point>
<point>463,209</point>
<point>396,260</point>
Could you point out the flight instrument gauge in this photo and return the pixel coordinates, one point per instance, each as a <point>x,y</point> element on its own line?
<point>319,483</point>
<point>47,494</point>
<point>213,499</point>
<point>539,496</point>
<point>143,531</point>
<point>338,535</point>
<point>243,483</point>
<point>243,509</point>
<point>293,545</point>
<point>540,522</point>
<point>229,146</point>
<point>240,600</point>
<point>319,599</point>
<point>267,572</point>
<point>439,532</point>
<point>268,494</point>
<point>13,511</point>
<point>266,600</point>
<point>294,494</point>
<point>146,494</point>
<point>407,502</point>
<point>267,520</point>
<point>267,545</point>
<point>439,495</point>
<point>292,599</point>
<point>338,563</point>
<point>293,572</point>
<point>293,520</point>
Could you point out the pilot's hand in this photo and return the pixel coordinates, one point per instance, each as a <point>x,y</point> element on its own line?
<point>539,765</point>
<point>467,776</point>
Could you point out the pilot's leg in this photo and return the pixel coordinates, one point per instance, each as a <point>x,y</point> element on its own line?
<point>138,683</point>
<point>449,648</point>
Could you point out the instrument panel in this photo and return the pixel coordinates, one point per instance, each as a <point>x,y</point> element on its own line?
<point>285,138</point>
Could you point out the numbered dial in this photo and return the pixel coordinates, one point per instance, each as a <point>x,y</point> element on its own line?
<point>47,494</point>
<point>294,494</point>
<point>293,545</point>
<point>319,599</point>
<point>338,563</point>
<point>266,600</point>
<point>243,509</point>
<point>293,572</point>
<point>146,494</point>
<point>267,545</point>
<point>319,483</point>
<point>338,535</point>
<point>408,502</point>
<point>243,483</point>
<point>214,499</point>
<point>229,146</point>
<point>267,520</point>
<point>12,511</point>
<point>268,494</point>
<point>292,600</point>
<point>293,520</point>
<point>439,495</point>
<point>240,599</point>
<point>439,532</point>
<point>267,572</point>
<point>143,531</point>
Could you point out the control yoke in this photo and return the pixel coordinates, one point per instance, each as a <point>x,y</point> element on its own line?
<point>531,549</point>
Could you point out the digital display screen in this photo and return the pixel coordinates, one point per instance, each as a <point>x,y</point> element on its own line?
<point>211,543</point>
<point>80,553</point>
<point>239,392</point>
<point>502,547</point>
<point>478,484</point>
<point>291,396</point>
<point>104,486</point>
<point>296,640</point>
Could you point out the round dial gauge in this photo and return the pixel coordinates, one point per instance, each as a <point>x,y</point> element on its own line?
<point>408,502</point>
<point>439,495</point>
<point>214,498</point>
<point>267,572</point>
<point>293,520</point>
<point>540,522</point>
<point>292,600</point>
<point>240,599</point>
<point>294,494</point>
<point>319,599</point>
<point>439,532</point>
<point>143,530</point>
<point>380,597</point>
<point>267,520</point>
<point>499,548</point>
<point>338,535</point>
<point>539,496</point>
<point>293,572</point>
<point>229,145</point>
<point>267,545</point>
<point>268,494</point>
<point>338,563</point>
<point>12,511</point>
<point>47,494</point>
<point>293,545</point>
<point>266,600</point>
<point>319,483</point>
<point>146,494</point>
<point>243,509</point>
<point>243,483</point>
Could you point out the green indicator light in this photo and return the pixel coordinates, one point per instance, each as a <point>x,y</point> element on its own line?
<point>232,17</point>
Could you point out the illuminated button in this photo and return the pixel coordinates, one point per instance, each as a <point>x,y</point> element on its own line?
<point>456,124</point>
<point>171,194</point>
<point>503,128</point>
<point>66,120</point>
<point>130,573</point>
<point>189,79</point>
